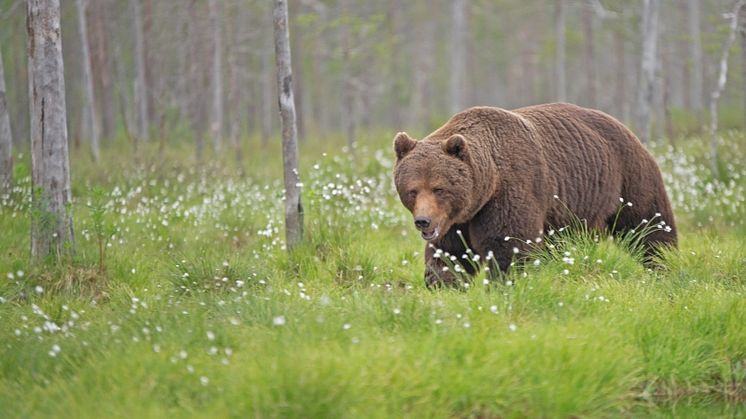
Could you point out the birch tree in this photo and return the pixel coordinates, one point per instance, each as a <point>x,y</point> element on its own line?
<point>293,205</point>
<point>141,88</point>
<point>560,61</point>
<point>646,88</point>
<point>216,83</point>
<point>349,94</point>
<point>90,117</point>
<point>589,23</point>
<point>695,55</point>
<point>457,54</point>
<point>720,85</point>
<point>6,139</point>
<point>52,224</point>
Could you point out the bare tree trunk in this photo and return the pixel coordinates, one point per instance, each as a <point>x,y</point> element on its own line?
<point>457,54</point>
<point>89,105</point>
<point>646,88</point>
<point>721,80</point>
<point>695,56</point>
<point>560,61</point>
<point>147,38</point>
<point>234,99</point>
<point>6,137</point>
<point>216,119</point>
<point>141,87</point>
<point>293,205</point>
<point>185,65</point>
<point>621,76</point>
<point>101,67</point>
<point>52,224</point>
<point>422,70</point>
<point>589,17</point>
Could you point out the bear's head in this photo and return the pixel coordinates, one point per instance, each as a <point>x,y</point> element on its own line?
<point>434,180</point>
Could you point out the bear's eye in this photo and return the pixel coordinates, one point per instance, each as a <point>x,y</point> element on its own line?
<point>412,194</point>
<point>438,191</point>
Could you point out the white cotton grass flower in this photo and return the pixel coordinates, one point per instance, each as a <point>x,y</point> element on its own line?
<point>279,321</point>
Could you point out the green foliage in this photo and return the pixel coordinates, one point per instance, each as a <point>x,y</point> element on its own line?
<point>199,310</point>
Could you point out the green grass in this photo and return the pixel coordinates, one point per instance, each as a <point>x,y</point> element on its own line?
<point>200,311</point>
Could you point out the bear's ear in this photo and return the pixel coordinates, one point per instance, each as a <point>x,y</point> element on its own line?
<point>456,146</point>
<point>403,144</point>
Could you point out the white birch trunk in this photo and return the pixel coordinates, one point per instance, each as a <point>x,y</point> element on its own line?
<point>293,205</point>
<point>457,54</point>
<point>216,118</point>
<point>6,137</point>
<point>52,224</point>
<point>720,85</point>
<point>695,55</point>
<point>141,88</point>
<point>589,23</point>
<point>560,61</point>
<point>90,116</point>
<point>646,88</point>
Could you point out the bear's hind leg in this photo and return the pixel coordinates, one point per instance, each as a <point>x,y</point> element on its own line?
<point>651,227</point>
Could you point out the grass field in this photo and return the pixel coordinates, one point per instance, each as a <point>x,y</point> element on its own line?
<point>194,308</point>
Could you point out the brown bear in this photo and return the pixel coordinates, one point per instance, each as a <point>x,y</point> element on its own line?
<point>495,180</point>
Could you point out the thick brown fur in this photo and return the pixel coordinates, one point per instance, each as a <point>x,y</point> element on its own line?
<point>491,173</point>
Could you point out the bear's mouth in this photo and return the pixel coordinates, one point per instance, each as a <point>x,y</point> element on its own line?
<point>432,234</point>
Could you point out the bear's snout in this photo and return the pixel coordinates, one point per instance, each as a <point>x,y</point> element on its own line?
<point>422,222</point>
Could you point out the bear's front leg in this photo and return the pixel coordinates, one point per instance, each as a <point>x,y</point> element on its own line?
<point>505,232</point>
<point>437,271</point>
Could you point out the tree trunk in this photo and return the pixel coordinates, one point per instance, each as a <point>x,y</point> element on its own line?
<point>235,113</point>
<point>147,38</point>
<point>622,107</point>
<point>216,118</point>
<point>184,75</point>
<point>422,50</point>
<point>6,137</point>
<point>293,205</point>
<point>457,54</point>
<point>101,68</point>
<point>588,17</point>
<point>141,87</point>
<point>52,224</point>
<point>90,116</point>
<point>720,85</point>
<point>560,61</point>
<point>646,88</point>
<point>695,56</point>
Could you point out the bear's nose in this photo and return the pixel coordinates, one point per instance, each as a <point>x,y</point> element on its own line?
<point>422,222</point>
